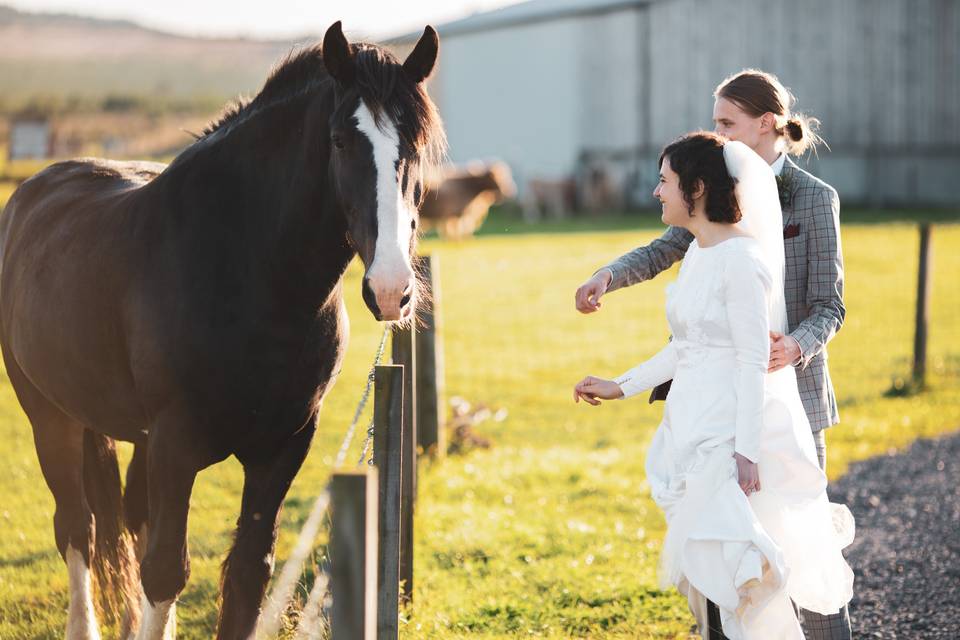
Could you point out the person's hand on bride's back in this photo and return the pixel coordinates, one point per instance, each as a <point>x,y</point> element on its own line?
<point>593,389</point>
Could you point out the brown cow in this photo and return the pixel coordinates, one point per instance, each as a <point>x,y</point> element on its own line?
<point>457,202</point>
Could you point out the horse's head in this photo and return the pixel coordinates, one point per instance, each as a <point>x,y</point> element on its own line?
<point>384,130</point>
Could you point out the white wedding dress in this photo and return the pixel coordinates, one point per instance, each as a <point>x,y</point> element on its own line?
<point>751,556</point>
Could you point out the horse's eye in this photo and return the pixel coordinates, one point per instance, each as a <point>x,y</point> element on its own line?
<point>337,142</point>
<point>417,192</point>
<point>413,224</point>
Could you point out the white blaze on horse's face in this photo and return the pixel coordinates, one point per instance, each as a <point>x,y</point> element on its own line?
<point>390,275</point>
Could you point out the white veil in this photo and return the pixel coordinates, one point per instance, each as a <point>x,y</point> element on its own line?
<point>810,527</point>
<point>761,218</point>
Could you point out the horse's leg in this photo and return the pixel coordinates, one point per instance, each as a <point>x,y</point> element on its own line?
<point>135,515</point>
<point>250,563</point>
<point>166,564</point>
<point>59,443</point>
<point>60,451</point>
<point>135,503</point>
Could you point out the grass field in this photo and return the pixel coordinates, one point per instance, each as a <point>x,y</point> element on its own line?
<point>551,532</point>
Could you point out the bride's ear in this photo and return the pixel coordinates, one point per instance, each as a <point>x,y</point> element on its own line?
<point>699,189</point>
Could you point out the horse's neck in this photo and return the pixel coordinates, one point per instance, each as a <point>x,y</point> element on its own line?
<point>258,186</point>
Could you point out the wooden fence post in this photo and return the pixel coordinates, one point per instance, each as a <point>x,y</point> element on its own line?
<point>353,555</point>
<point>923,309</point>
<point>429,347</point>
<point>404,353</point>
<point>387,456</point>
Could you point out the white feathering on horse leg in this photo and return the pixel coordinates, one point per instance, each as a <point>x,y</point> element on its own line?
<point>158,622</point>
<point>81,619</point>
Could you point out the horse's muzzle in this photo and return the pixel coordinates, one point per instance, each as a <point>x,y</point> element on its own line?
<point>389,303</point>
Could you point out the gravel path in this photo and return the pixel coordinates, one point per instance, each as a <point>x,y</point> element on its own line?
<point>906,555</point>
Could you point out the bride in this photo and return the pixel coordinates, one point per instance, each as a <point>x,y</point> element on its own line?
<point>733,463</point>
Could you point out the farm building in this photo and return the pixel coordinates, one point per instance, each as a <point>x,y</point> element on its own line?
<point>30,137</point>
<point>580,88</point>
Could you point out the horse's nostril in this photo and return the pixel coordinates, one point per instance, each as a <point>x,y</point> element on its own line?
<point>404,301</point>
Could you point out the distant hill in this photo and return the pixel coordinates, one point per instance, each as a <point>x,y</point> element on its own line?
<point>59,54</point>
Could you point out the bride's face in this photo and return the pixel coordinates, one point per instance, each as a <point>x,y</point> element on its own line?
<point>674,208</point>
<point>732,122</point>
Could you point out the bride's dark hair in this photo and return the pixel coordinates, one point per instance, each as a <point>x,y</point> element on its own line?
<point>698,157</point>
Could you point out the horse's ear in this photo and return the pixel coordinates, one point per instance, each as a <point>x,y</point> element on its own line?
<point>337,57</point>
<point>419,63</point>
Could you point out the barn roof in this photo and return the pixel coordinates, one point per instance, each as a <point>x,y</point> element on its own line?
<point>526,13</point>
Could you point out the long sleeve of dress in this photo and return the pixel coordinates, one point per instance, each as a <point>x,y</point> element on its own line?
<point>746,286</point>
<point>650,373</point>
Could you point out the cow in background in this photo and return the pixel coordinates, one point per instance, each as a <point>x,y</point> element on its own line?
<point>556,198</point>
<point>456,202</point>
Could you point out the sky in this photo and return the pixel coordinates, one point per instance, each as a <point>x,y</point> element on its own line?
<point>271,19</point>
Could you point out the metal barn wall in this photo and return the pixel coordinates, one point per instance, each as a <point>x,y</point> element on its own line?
<point>512,93</point>
<point>882,75</point>
<point>536,94</point>
<point>611,54</point>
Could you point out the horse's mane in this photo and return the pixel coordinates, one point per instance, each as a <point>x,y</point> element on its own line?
<point>300,71</point>
<point>379,79</point>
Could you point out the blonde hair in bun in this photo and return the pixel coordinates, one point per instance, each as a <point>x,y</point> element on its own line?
<point>758,92</point>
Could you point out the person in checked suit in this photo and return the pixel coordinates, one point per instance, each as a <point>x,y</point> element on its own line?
<point>753,107</point>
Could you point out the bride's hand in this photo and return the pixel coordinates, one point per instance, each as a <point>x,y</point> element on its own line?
<point>748,474</point>
<point>593,389</point>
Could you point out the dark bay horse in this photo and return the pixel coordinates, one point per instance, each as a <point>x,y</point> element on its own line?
<point>196,311</point>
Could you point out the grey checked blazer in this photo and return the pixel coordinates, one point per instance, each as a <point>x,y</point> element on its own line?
<point>813,281</point>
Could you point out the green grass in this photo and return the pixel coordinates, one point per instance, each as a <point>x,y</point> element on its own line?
<point>551,533</point>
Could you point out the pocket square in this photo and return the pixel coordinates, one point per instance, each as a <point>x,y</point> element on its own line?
<point>791,231</point>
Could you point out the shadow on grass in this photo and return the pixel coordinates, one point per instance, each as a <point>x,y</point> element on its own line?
<point>28,559</point>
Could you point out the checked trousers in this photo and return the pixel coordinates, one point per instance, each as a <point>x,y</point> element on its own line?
<point>815,626</point>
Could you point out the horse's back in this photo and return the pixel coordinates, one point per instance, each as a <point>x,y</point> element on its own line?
<point>66,217</point>
<point>46,200</point>
<point>65,263</point>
